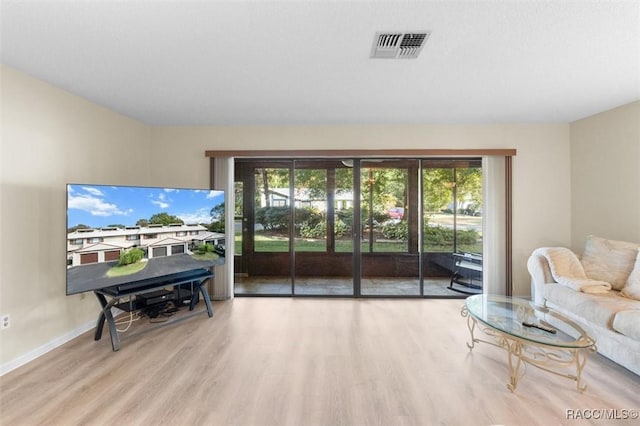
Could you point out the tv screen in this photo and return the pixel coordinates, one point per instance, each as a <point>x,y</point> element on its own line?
<point>124,234</point>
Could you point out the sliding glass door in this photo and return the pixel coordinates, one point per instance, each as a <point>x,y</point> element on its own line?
<point>390,260</point>
<point>358,227</point>
<point>263,264</point>
<point>323,245</point>
<point>452,225</point>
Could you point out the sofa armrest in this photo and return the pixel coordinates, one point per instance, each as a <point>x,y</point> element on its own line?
<point>540,276</point>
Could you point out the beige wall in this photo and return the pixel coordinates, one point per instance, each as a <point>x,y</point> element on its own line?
<point>50,138</point>
<point>605,176</point>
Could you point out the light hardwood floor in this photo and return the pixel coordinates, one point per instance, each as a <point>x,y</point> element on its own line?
<point>284,361</point>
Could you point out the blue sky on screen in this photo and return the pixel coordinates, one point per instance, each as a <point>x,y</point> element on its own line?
<point>101,205</point>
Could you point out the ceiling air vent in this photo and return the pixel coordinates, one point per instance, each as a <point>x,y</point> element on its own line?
<point>390,45</point>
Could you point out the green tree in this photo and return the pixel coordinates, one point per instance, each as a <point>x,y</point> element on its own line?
<point>75,228</point>
<point>440,184</point>
<point>267,178</point>
<point>164,219</point>
<point>238,193</point>
<point>384,188</point>
<point>313,180</point>
<point>469,185</point>
<point>217,218</point>
<point>131,256</point>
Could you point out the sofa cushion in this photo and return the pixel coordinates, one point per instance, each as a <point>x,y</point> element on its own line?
<point>598,309</point>
<point>632,289</point>
<point>609,260</point>
<point>628,323</point>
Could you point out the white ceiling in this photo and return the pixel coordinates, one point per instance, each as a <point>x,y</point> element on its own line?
<point>307,62</point>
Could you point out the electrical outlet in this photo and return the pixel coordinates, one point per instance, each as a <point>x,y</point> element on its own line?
<point>5,322</point>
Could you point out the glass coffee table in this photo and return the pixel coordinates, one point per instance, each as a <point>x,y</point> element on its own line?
<point>526,332</point>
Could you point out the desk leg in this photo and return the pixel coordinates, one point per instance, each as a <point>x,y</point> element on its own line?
<point>115,339</point>
<point>101,318</point>
<point>106,314</point>
<point>205,296</point>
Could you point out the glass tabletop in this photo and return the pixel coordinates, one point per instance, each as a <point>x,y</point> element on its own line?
<point>519,318</point>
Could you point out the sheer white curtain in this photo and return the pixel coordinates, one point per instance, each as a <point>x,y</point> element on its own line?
<point>223,178</point>
<point>494,229</point>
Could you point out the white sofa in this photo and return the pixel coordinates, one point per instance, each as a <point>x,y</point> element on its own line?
<point>611,317</point>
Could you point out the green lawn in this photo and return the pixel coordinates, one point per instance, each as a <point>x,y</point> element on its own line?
<point>205,256</point>
<point>119,271</point>
<point>270,243</point>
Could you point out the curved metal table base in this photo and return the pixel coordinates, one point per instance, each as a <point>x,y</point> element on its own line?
<point>520,352</point>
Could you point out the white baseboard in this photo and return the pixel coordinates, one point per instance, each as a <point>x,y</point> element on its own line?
<point>38,352</point>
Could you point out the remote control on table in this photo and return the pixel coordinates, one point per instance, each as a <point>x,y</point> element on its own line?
<point>540,326</point>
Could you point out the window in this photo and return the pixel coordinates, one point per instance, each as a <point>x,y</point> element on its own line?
<point>388,187</point>
<point>452,205</point>
<point>272,214</point>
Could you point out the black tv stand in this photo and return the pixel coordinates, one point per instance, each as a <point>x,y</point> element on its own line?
<point>196,278</point>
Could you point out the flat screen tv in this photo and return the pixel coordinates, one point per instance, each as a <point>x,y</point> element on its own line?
<point>124,234</point>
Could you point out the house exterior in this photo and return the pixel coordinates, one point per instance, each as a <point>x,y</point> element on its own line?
<point>89,245</point>
<point>279,197</point>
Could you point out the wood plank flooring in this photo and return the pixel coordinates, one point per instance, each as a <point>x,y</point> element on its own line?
<point>284,361</point>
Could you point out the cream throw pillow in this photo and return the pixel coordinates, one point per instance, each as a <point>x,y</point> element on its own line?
<point>609,260</point>
<point>632,289</point>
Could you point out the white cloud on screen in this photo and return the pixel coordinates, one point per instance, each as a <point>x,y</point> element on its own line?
<point>95,205</point>
<point>199,216</point>
<point>93,191</point>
